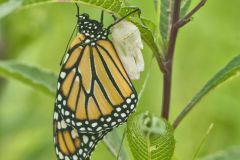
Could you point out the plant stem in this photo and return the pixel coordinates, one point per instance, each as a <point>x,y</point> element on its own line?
<point>188,17</point>
<point>167,63</point>
<point>167,76</point>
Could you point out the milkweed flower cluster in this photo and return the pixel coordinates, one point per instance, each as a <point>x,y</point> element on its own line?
<point>128,43</point>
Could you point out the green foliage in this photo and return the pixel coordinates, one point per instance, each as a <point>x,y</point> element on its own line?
<point>228,154</point>
<point>8,7</point>
<point>228,72</point>
<point>184,7</point>
<point>33,76</point>
<point>165,19</point>
<point>164,11</point>
<point>150,137</point>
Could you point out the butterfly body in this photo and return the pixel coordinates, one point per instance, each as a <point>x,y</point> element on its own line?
<point>94,92</point>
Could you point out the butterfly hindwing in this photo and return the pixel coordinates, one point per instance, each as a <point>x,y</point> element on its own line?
<point>70,144</point>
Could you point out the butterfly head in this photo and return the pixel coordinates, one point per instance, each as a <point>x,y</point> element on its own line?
<point>92,29</point>
<point>83,17</point>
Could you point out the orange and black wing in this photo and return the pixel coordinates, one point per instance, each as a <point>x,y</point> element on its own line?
<point>94,93</point>
<point>71,145</point>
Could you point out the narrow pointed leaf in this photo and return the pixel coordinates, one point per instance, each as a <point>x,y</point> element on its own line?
<point>228,72</point>
<point>165,18</point>
<point>35,77</point>
<point>184,7</point>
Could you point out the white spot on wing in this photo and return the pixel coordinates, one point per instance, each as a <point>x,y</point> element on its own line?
<point>74,133</point>
<point>128,100</point>
<point>109,119</point>
<point>123,115</point>
<point>60,155</point>
<point>99,128</point>
<point>118,109</point>
<point>66,158</point>
<point>79,123</point>
<point>67,113</point>
<point>63,124</point>
<point>94,124</point>
<point>66,58</point>
<point>55,115</point>
<point>75,157</point>
<point>85,139</point>
<point>62,74</point>
<point>80,151</point>
<point>58,86</point>
<point>68,120</point>
<point>64,102</point>
<point>87,40</point>
<point>133,96</point>
<point>59,97</point>
<point>90,144</point>
<point>132,106</point>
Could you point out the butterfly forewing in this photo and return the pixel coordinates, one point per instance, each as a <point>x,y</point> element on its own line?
<point>95,93</point>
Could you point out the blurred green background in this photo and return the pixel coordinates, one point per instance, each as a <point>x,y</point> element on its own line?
<point>38,36</point>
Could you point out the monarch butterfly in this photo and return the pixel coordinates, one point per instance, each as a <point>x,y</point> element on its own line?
<point>94,92</point>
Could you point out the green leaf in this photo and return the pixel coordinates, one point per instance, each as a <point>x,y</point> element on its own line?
<point>150,137</point>
<point>166,6</point>
<point>149,24</point>
<point>35,77</point>
<point>46,82</point>
<point>147,35</point>
<point>184,7</point>
<point>232,153</point>
<point>165,18</point>
<point>8,7</point>
<point>228,72</point>
<point>118,7</point>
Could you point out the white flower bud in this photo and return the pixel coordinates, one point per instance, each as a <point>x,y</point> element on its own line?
<point>128,43</point>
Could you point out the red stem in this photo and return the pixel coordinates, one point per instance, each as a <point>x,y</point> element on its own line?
<point>167,76</point>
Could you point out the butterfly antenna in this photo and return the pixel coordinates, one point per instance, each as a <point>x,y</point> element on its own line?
<point>71,35</point>
<point>114,17</point>
<point>77,9</point>
<point>102,15</point>
<point>68,44</point>
<point>124,17</point>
